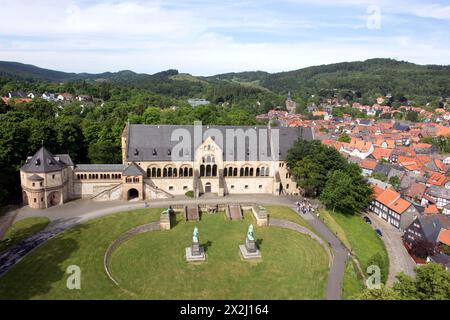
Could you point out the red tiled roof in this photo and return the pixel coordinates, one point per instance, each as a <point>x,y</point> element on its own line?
<point>439,164</point>
<point>368,164</point>
<point>392,200</point>
<point>376,190</point>
<point>416,190</point>
<point>444,237</point>
<point>379,153</point>
<point>431,209</point>
<point>437,179</point>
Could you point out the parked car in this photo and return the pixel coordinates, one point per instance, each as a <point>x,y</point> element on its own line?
<point>379,233</point>
<point>366,219</point>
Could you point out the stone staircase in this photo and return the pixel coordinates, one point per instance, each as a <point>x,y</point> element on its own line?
<point>109,194</point>
<point>156,192</point>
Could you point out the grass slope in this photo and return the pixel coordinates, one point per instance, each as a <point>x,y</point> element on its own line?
<point>352,283</point>
<point>21,230</point>
<point>362,240</point>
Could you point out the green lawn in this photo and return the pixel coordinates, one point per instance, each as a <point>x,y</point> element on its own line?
<point>21,230</point>
<point>152,265</point>
<point>293,266</point>
<point>359,237</point>
<point>352,283</point>
<point>42,273</point>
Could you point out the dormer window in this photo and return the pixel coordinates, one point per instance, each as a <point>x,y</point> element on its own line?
<point>169,152</point>
<point>38,162</point>
<point>50,162</point>
<point>136,152</point>
<point>154,153</point>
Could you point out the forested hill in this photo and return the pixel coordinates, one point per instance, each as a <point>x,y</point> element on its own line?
<point>369,78</point>
<point>362,79</point>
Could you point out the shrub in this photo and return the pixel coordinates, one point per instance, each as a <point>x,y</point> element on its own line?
<point>190,194</point>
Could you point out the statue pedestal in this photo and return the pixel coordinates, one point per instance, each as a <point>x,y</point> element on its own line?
<point>250,245</point>
<point>249,251</point>
<point>195,253</point>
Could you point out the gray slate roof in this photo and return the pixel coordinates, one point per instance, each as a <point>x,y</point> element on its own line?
<point>432,225</point>
<point>133,170</point>
<point>442,259</point>
<point>384,168</point>
<point>42,161</point>
<point>64,158</point>
<point>153,142</point>
<point>438,192</point>
<point>99,168</point>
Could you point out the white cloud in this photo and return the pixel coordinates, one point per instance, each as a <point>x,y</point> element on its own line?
<point>202,37</point>
<point>431,10</point>
<point>212,53</point>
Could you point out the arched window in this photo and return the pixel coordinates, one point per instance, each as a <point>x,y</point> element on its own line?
<point>149,173</point>
<point>190,172</point>
<point>186,172</point>
<point>169,172</point>
<point>154,172</point>
<point>175,172</point>
<point>158,172</point>
<point>202,170</point>
<point>235,172</point>
<point>208,170</point>
<point>257,172</point>
<point>251,172</point>
<point>165,172</point>
<point>241,173</point>
<point>214,170</point>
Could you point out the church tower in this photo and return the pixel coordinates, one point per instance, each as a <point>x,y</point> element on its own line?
<point>291,105</point>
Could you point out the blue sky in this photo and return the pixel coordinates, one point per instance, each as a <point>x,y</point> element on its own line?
<point>206,37</point>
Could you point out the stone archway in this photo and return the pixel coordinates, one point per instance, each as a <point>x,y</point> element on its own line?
<point>25,198</point>
<point>54,198</point>
<point>132,194</point>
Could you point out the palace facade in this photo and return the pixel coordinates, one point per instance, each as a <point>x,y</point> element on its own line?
<point>218,159</point>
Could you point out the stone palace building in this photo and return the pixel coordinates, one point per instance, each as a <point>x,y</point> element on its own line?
<point>149,170</point>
